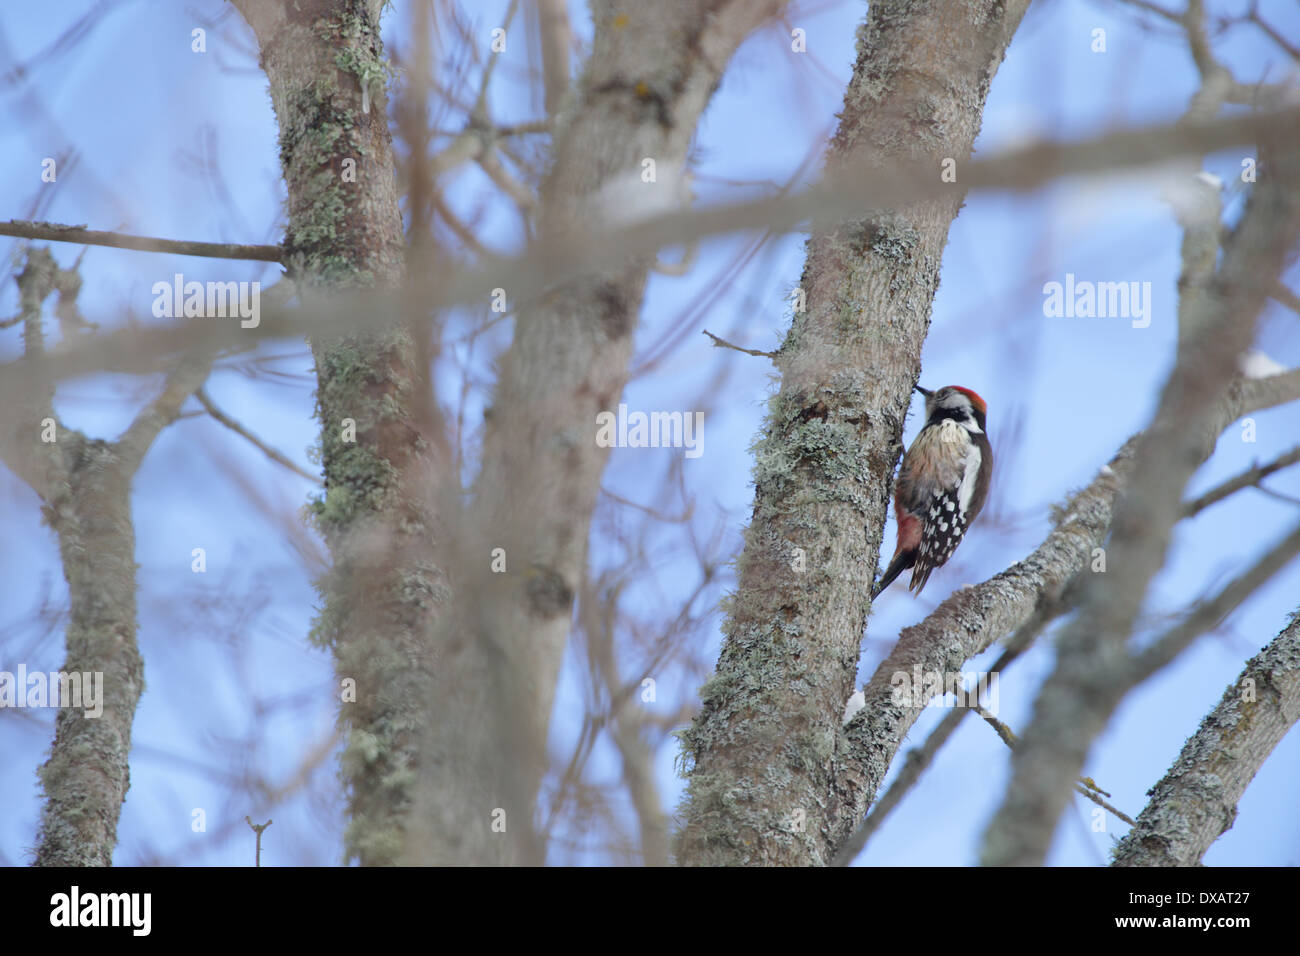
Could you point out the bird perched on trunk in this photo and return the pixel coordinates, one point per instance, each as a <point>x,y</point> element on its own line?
<point>942,484</point>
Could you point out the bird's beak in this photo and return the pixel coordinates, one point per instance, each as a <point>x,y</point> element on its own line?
<point>924,391</point>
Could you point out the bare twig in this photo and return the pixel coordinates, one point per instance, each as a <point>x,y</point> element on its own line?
<point>1249,478</point>
<point>258,828</point>
<point>1096,797</point>
<point>724,344</point>
<point>1271,32</point>
<point>55,232</point>
<point>1086,785</point>
<point>276,456</point>
<point>1209,613</point>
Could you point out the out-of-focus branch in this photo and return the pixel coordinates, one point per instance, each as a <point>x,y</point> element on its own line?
<point>1282,294</point>
<point>599,610</point>
<point>1196,801</point>
<point>1271,32</point>
<point>563,256</point>
<point>187,378</point>
<point>1086,686</point>
<point>512,187</point>
<point>1171,15</point>
<point>278,457</point>
<point>1208,614</point>
<point>1217,82</point>
<point>479,111</point>
<point>476,140</point>
<point>553,21</point>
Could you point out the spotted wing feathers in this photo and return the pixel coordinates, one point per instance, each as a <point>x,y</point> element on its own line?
<point>944,526</point>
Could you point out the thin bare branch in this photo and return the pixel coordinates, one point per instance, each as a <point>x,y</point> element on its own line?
<point>54,232</point>
<point>724,344</point>
<point>1208,614</point>
<point>278,457</point>
<point>1272,33</point>
<point>1247,479</point>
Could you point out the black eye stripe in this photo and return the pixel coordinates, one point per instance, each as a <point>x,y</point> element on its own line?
<point>958,415</point>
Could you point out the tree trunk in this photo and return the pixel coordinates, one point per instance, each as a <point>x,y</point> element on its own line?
<point>326,67</point>
<point>766,785</point>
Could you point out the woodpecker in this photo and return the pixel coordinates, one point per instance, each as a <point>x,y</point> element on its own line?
<point>942,484</point>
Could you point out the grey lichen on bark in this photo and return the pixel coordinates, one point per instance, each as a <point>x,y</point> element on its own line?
<point>1196,801</point>
<point>326,66</point>
<point>650,74</point>
<point>87,776</point>
<point>766,781</point>
<point>85,487</point>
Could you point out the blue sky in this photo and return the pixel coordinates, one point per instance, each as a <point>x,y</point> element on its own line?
<point>234,688</point>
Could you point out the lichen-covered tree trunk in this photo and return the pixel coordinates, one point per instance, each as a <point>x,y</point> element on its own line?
<point>1196,801</point>
<point>85,489</point>
<point>498,646</point>
<point>769,778</point>
<point>87,776</point>
<point>325,63</point>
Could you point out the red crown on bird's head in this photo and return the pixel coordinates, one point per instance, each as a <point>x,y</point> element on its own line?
<point>980,405</point>
<point>973,396</point>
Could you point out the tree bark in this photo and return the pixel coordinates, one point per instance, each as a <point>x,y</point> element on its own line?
<point>85,487</point>
<point>1196,801</point>
<point>765,783</point>
<point>1217,322</point>
<point>652,70</point>
<point>325,63</point>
